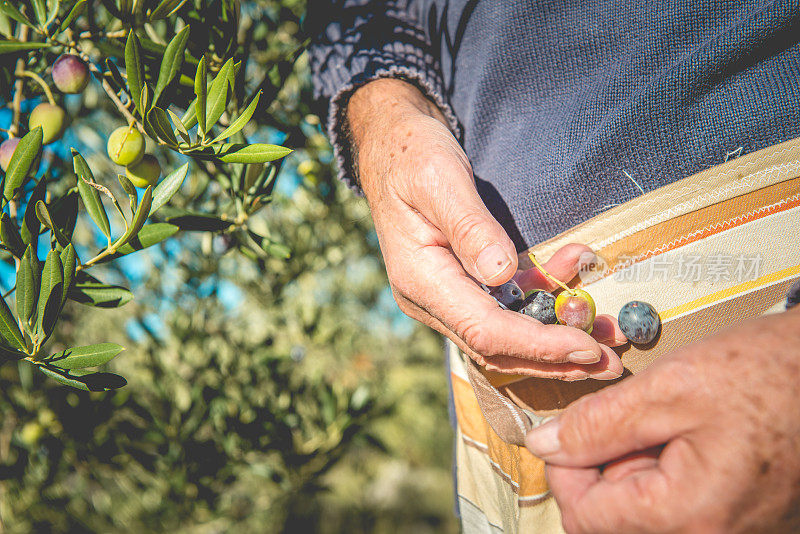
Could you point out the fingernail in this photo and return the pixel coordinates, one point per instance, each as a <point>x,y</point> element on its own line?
<point>492,261</point>
<point>543,441</point>
<point>608,374</point>
<point>583,357</point>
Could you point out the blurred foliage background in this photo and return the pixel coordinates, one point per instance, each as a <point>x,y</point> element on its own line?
<point>264,394</point>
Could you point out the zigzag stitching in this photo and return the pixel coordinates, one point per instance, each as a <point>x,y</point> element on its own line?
<point>713,226</point>
<point>689,205</point>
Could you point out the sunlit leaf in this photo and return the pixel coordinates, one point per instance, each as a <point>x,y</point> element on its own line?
<point>50,291</point>
<point>134,68</point>
<point>160,122</point>
<point>148,236</point>
<point>200,91</point>
<point>240,121</point>
<point>30,223</point>
<point>9,330</point>
<point>218,96</point>
<point>171,62</point>
<point>74,13</point>
<point>69,265</point>
<point>22,162</point>
<point>166,9</point>
<point>86,356</point>
<point>90,195</point>
<point>27,291</point>
<point>255,153</point>
<point>92,292</point>
<point>7,7</point>
<point>168,187</point>
<point>139,218</point>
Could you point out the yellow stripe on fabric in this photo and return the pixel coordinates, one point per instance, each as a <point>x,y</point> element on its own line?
<point>729,292</point>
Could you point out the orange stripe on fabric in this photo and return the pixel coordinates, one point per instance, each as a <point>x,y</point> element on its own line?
<point>700,224</point>
<point>523,470</point>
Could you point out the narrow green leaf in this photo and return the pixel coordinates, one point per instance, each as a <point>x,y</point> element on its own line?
<point>160,121</point>
<point>74,13</point>
<point>180,126</point>
<point>69,264</point>
<point>116,75</point>
<point>9,234</point>
<point>189,118</point>
<point>200,91</point>
<point>240,122</point>
<point>64,212</point>
<point>40,9</point>
<point>168,187</point>
<point>21,165</point>
<point>149,235</point>
<point>11,46</point>
<point>52,11</point>
<point>9,329</point>
<point>134,69</point>
<point>130,190</point>
<point>8,8</point>
<point>171,62</point>
<point>86,356</point>
<point>218,96</point>
<point>5,25</point>
<point>139,218</point>
<point>166,9</point>
<point>90,195</point>
<point>30,223</point>
<point>50,291</point>
<point>255,153</point>
<point>84,380</point>
<point>92,292</point>
<point>44,215</point>
<point>27,291</point>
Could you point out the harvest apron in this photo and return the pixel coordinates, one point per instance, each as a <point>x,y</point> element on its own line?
<point>707,251</point>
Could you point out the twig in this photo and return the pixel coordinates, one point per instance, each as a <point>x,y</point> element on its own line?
<point>19,85</point>
<point>38,79</point>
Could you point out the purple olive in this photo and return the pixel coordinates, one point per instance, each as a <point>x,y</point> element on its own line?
<point>7,150</point>
<point>509,295</point>
<point>576,308</point>
<point>70,74</point>
<point>540,305</point>
<point>639,321</point>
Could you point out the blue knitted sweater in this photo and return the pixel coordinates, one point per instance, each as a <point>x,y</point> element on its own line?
<point>566,108</point>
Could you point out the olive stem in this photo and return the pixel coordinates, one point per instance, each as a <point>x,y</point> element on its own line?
<point>38,79</point>
<point>19,85</point>
<point>550,276</point>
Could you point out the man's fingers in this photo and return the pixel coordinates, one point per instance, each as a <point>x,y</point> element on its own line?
<point>564,265</point>
<point>642,411</point>
<point>477,239</point>
<point>592,504</point>
<point>632,463</point>
<point>606,330</point>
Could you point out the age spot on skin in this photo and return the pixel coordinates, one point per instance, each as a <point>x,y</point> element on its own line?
<point>765,466</point>
<point>405,147</point>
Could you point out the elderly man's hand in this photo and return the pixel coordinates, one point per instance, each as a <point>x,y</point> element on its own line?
<point>439,240</point>
<point>705,440</point>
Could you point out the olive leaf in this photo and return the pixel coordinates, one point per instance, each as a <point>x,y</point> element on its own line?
<point>166,9</point>
<point>30,222</point>
<point>179,126</point>
<point>139,218</point>
<point>218,95</point>
<point>116,76</point>
<point>74,13</point>
<point>255,153</point>
<point>69,266</point>
<point>130,190</point>
<point>27,291</point>
<point>44,215</point>
<point>201,101</point>
<point>134,68</point>
<point>149,235</point>
<point>40,9</point>
<point>9,330</point>
<point>90,195</point>
<point>86,356</point>
<point>160,122</point>
<point>90,291</point>
<point>21,163</point>
<point>240,121</point>
<point>168,187</point>
<point>84,380</point>
<point>171,62</point>
<point>8,8</point>
<point>50,293</point>
<point>9,234</point>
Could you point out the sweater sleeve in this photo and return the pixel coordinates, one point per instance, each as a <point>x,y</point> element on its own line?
<point>357,41</point>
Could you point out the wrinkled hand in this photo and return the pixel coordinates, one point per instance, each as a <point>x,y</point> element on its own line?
<point>438,240</point>
<point>705,440</point>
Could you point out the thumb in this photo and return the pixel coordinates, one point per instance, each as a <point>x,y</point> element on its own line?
<point>477,239</point>
<point>636,414</point>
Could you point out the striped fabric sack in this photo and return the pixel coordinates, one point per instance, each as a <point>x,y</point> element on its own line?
<point>707,251</point>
